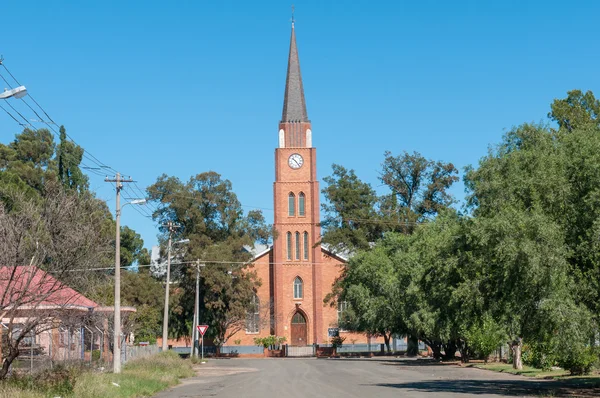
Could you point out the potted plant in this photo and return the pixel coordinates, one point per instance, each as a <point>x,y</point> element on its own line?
<point>336,342</point>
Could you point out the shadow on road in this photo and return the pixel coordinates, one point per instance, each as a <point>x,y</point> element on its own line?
<point>510,388</point>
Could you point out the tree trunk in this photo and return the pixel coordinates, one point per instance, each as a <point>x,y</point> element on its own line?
<point>13,353</point>
<point>386,340</point>
<point>436,348</point>
<point>449,350</point>
<point>412,348</point>
<point>464,350</point>
<point>517,347</point>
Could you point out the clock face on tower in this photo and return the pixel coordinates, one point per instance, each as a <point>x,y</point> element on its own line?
<point>295,161</point>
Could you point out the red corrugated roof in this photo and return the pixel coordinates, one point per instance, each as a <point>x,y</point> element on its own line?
<point>32,287</point>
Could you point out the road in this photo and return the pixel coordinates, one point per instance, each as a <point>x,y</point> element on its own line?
<point>364,378</point>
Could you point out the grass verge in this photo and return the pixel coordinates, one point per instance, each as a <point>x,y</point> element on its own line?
<point>526,371</point>
<point>139,378</point>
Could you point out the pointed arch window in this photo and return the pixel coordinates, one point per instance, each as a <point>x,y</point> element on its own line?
<point>301,204</point>
<point>253,316</point>
<point>298,288</point>
<point>289,245</point>
<point>297,245</point>
<point>306,245</point>
<point>291,204</point>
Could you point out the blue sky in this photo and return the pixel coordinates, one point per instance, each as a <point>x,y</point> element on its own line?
<point>152,87</point>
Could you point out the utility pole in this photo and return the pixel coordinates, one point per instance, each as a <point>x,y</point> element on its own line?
<point>171,227</point>
<point>196,321</point>
<point>117,320</point>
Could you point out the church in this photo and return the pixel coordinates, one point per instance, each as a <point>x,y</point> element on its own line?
<point>296,273</point>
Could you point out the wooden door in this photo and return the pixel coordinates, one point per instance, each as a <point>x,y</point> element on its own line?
<point>299,332</point>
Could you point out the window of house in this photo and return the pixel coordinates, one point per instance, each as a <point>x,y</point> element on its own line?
<point>297,245</point>
<point>298,293</point>
<point>291,204</point>
<point>306,245</point>
<point>253,316</point>
<point>301,206</point>
<point>342,307</point>
<point>289,245</point>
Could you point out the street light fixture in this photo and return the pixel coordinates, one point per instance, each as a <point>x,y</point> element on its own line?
<point>17,92</point>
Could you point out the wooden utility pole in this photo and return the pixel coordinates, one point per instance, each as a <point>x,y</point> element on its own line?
<point>117,319</point>
<point>171,226</point>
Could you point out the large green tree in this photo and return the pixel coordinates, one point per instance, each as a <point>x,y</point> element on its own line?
<point>209,214</point>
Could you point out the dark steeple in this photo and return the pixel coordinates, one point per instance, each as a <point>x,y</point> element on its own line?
<point>294,107</point>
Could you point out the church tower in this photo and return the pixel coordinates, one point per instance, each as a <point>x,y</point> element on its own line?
<point>296,260</point>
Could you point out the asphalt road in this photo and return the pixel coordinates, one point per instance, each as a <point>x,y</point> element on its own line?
<point>364,378</point>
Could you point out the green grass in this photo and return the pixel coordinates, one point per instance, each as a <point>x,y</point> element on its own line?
<point>526,371</point>
<point>139,378</point>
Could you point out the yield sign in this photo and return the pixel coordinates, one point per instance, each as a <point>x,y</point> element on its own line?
<point>202,329</point>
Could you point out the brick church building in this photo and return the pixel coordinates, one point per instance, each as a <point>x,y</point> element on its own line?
<point>296,274</point>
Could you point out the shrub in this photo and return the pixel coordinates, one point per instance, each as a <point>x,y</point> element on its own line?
<point>270,341</point>
<point>485,337</point>
<point>337,341</point>
<point>579,361</point>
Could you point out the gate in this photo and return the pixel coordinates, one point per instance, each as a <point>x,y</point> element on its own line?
<point>300,351</point>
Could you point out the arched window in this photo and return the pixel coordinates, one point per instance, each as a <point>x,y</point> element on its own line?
<point>291,204</point>
<point>253,316</point>
<point>306,245</point>
<point>301,206</point>
<point>297,245</point>
<point>289,245</point>
<point>298,291</point>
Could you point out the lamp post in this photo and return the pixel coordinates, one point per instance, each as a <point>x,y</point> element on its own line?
<point>165,335</point>
<point>117,314</point>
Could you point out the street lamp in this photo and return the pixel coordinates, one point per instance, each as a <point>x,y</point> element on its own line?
<point>165,335</point>
<point>17,92</point>
<point>117,314</point>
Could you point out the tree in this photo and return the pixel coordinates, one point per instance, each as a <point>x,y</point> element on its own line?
<point>370,287</point>
<point>46,247</point>
<point>419,188</point>
<point>69,157</point>
<point>578,110</point>
<point>211,217</point>
<point>350,212</point>
<point>533,198</point>
<point>132,248</point>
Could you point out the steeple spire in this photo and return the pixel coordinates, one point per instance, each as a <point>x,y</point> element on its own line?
<point>294,106</point>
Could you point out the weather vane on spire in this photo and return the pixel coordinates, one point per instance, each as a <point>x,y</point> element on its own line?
<point>293,20</point>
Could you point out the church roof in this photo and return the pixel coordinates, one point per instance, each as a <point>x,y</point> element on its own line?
<point>294,106</point>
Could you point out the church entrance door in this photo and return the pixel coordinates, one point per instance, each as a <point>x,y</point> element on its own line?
<point>299,332</point>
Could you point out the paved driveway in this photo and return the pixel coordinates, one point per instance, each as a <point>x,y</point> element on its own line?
<point>364,378</point>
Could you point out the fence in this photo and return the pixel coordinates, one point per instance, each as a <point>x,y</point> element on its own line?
<point>86,345</point>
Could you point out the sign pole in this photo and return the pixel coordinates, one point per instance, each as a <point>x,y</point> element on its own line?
<point>202,347</point>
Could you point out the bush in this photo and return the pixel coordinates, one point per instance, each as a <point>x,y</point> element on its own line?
<point>96,355</point>
<point>270,341</point>
<point>59,381</point>
<point>485,337</point>
<point>337,341</point>
<point>579,361</point>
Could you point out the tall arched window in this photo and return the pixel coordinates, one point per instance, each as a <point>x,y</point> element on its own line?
<point>301,206</point>
<point>253,316</point>
<point>298,291</point>
<point>306,245</point>
<point>291,204</point>
<point>297,245</point>
<point>289,245</point>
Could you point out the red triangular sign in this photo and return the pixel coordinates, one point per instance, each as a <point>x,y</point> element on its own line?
<point>202,329</point>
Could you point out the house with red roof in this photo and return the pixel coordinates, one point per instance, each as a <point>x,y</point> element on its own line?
<point>59,322</point>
